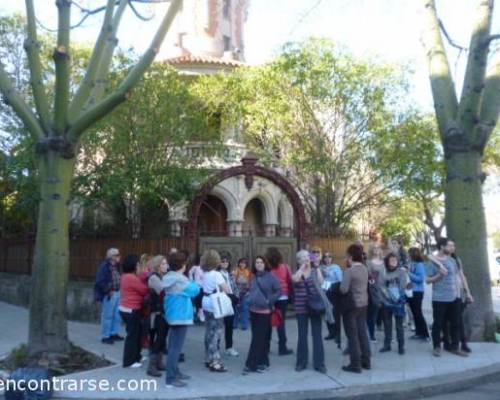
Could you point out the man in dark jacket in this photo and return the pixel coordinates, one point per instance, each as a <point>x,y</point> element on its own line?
<point>107,291</point>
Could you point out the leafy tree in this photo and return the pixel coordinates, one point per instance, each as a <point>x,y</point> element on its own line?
<point>465,126</point>
<point>403,218</point>
<point>133,163</point>
<point>317,113</point>
<point>57,126</point>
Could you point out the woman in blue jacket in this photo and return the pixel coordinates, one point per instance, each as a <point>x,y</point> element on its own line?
<point>179,292</point>
<point>417,275</point>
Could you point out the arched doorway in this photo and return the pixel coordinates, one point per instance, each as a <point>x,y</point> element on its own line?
<point>253,218</point>
<point>212,217</point>
<point>263,210</point>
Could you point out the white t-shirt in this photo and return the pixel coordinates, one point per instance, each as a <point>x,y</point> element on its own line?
<point>211,280</point>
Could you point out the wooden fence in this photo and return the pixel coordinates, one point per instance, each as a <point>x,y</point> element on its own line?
<point>16,256</point>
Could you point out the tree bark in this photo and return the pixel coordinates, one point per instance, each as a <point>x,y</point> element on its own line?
<point>465,222</point>
<point>48,329</point>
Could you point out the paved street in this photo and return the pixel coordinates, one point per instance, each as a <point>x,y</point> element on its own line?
<point>417,369</point>
<point>490,391</point>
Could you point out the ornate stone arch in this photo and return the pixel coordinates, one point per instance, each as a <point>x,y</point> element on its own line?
<point>249,169</point>
<point>270,206</point>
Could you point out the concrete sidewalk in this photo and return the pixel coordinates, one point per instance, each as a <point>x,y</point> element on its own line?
<point>413,375</point>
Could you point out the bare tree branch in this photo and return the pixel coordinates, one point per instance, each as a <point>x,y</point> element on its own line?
<point>473,86</point>
<point>13,99</point>
<point>32,47</point>
<point>123,91</point>
<point>62,63</point>
<point>449,39</point>
<point>88,81</point>
<point>443,88</point>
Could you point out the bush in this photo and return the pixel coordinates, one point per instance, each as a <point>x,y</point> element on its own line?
<point>18,358</point>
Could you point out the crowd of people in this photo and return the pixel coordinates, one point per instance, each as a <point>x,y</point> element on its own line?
<point>159,297</point>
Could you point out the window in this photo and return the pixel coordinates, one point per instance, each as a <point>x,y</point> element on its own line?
<point>227,43</point>
<point>226,9</point>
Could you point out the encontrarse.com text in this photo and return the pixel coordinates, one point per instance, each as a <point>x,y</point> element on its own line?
<point>78,385</point>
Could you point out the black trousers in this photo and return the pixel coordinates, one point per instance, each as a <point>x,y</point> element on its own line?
<point>441,312</point>
<point>132,346</point>
<point>258,354</point>
<point>387,315</point>
<point>317,341</point>
<point>282,305</point>
<point>228,330</point>
<point>357,336</point>
<point>159,335</point>
<point>461,327</point>
<point>415,303</point>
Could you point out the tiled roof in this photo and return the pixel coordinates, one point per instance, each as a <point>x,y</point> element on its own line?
<point>203,60</point>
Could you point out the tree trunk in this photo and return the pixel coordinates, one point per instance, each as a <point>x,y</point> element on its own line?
<point>48,328</point>
<point>465,222</point>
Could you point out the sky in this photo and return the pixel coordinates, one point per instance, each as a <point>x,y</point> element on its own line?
<point>388,30</point>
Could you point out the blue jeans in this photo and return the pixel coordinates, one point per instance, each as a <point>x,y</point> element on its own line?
<point>242,315</point>
<point>110,315</point>
<point>317,341</point>
<point>176,336</point>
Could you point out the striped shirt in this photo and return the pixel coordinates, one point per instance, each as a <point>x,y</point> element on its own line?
<point>300,292</point>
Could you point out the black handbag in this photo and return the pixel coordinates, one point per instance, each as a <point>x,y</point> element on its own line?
<point>315,305</point>
<point>343,302</point>
<point>375,294</point>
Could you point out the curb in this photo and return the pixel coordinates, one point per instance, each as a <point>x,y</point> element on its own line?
<point>407,390</point>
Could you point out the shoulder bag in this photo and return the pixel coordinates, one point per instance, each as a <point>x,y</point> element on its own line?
<point>314,302</point>
<point>276,316</point>
<point>221,303</point>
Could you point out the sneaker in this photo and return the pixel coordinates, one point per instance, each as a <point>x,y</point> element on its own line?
<point>385,349</point>
<point>465,348</point>
<point>247,371</point>
<point>401,351</point>
<point>300,368</point>
<point>321,370</point>
<point>350,368</point>
<point>262,368</point>
<point>177,384</point>
<point>183,377</point>
<point>232,352</point>
<point>285,352</point>
<point>436,352</point>
<point>459,353</point>
<point>330,337</point>
<point>117,338</point>
<point>366,365</point>
<point>373,340</point>
<point>107,340</point>
<point>135,365</point>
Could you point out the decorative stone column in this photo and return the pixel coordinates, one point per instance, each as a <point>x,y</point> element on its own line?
<point>270,230</point>
<point>178,219</point>
<point>235,228</point>
<point>175,227</point>
<point>285,231</point>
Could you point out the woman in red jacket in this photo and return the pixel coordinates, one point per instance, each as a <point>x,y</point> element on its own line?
<point>282,272</point>
<point>133,291</point>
